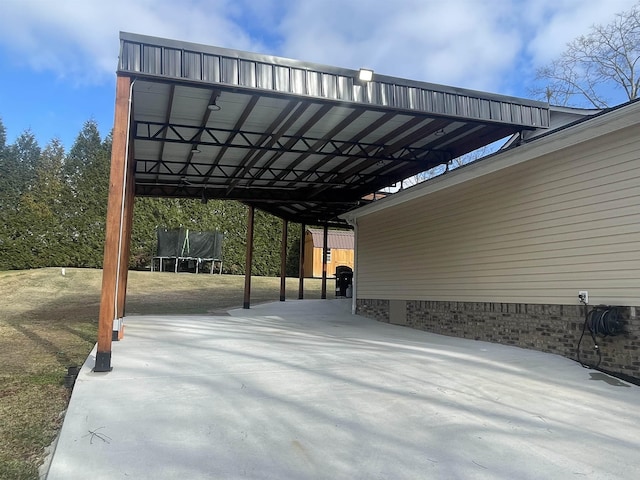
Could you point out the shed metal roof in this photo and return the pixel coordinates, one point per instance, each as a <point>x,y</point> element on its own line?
<point>338,239</point>
<point>305,142</point>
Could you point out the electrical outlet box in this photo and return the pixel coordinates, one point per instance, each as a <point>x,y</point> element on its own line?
<point>583,296</point>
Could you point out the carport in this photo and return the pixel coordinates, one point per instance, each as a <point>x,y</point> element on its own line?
<point>301,141</point>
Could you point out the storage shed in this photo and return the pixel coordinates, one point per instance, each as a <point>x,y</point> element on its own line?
<point>340,251</point>
<point>500,249</point>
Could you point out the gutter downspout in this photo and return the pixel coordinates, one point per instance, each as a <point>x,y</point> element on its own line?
<point>354,291</point>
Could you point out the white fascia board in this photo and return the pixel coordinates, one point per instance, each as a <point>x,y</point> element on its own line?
<point>617,119</point>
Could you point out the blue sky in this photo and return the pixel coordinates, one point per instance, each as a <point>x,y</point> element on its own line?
<point>58,58</point>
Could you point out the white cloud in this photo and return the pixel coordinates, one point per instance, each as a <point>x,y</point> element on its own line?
<point>79,39</point>
<point>459,42</point>
<point>554,23</point>
<point>469,43</point>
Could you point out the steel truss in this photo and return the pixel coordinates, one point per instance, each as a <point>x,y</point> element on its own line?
<point>267,174</point>
<point>229,138</point>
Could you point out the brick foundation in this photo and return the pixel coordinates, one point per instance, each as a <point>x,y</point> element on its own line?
<point>376,309</point>
<point>548,328</point>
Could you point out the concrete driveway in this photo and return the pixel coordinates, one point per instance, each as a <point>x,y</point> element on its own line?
<point>305,390</point>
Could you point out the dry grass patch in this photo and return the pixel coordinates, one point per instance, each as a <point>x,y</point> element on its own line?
<point>48,322</point>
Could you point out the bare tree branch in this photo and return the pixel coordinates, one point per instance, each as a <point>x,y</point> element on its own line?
<point>453,164</point>
<point>595,65</point>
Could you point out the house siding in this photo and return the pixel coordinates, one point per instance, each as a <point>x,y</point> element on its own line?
<point>501,257</point>
<point>533,233</point>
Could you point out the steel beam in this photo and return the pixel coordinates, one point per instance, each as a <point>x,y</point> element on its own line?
<point>303,231</point>
<point>283,261</point>
<point>249,259</point>
<point>272,142</point>
<point>325,248</point>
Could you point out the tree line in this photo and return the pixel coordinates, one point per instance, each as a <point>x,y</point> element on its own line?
<point>53,203</point>
<point>53,211</point>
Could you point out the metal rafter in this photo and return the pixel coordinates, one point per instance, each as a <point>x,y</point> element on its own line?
<point>398,145</point>
<point>491,134</point>
<point>334,131</point>
<point>241,120</point>
<point>203,122</point>
<point>320,113</point>
<point>355,140</point>
<point>172,90</point>
<point>255,145</point>
<point>253,174</point>
<point>255,156</point>
<point>378,155</point>
<point>240,193</point>
<point>329,148</point>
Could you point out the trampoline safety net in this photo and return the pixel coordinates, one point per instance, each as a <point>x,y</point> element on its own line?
<point>182,243</point>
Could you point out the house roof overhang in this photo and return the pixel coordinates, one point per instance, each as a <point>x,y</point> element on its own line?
<point>302,141</point>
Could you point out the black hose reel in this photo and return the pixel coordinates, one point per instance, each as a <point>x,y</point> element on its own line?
<point>604,320</point>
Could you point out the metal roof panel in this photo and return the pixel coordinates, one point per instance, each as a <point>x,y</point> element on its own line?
<point>304,141</point>
<point>338,239</point>
<point>182,60</point>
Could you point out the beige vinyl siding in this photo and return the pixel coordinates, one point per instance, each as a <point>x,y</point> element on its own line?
<point>536,232</point>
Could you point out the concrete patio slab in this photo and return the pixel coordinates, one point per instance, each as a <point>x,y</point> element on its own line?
<point>305,390</point>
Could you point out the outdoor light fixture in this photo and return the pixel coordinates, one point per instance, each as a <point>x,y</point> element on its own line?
<point>365,75</point>
<point>439,133</point>
<point>195,149</point>
<point>213,105</point>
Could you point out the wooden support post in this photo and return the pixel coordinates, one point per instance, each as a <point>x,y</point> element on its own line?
<point>303,231</point>
<point>325,238</point>
<point>249,260</point>
<point>283,261</point>
<point>113,225</point>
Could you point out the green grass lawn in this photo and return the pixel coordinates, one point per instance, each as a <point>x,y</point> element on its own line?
<point>48,322</point>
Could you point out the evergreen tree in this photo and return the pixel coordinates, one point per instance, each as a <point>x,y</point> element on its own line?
<point>3,139</point>
<point>21,160</point>
<point>4,200</point>
<point>293,249</point>
<point>233,223</point>
<point>5,169</point>
<point>53,211</point>
<point>17,167</point>
<point>228,217</point>
<point>267,244</point>
<point>86,172</point>
<point>41,207</point>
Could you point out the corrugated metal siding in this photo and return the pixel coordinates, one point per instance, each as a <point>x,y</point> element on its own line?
<point>533,233</point>
<point>166,58</point>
